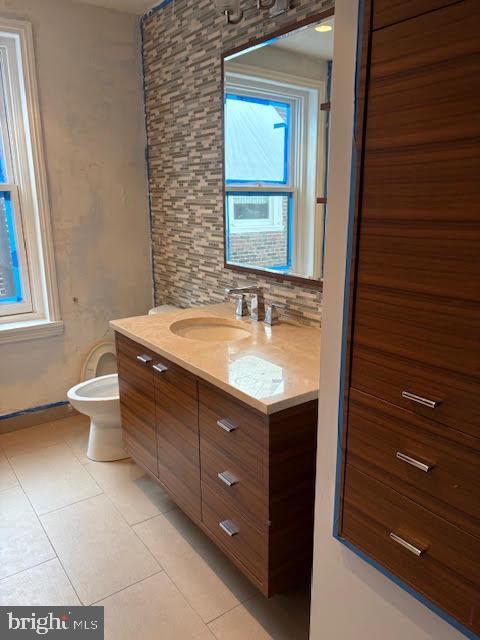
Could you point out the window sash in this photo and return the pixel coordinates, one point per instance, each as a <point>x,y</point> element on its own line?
<point>12,308</point>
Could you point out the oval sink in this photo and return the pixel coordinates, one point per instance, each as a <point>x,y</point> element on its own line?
<point>210,329</point>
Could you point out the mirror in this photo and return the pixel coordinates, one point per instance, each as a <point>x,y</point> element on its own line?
<point>276,117</point>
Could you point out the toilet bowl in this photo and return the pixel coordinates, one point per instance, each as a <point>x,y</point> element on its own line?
<point>99,399</point>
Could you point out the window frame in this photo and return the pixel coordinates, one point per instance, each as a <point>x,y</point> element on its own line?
<point>27,171</point>
<point>304,134</point>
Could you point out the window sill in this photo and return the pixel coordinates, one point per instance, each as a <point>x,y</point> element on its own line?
<point>29,330</point>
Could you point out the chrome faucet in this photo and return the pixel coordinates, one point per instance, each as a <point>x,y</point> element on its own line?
<point>271,315</point>
<point>257,310</point>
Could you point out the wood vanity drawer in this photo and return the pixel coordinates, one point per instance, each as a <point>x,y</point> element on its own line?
<point>244,433</point>
<point>436,466</point>
<point>237,488</point>
<point>447,570</point>
<point>248,545</point>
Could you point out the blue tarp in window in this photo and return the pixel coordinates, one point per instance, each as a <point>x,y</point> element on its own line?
<point>256,140</point>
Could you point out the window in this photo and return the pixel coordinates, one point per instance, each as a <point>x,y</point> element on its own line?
<point>268,158</point>
<point>28,300</point>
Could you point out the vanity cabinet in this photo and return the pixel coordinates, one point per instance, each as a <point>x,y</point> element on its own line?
<point>245,477</point>
<point>411,450</point>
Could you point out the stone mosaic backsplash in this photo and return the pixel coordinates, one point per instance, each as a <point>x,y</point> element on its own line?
<point>183,43</point>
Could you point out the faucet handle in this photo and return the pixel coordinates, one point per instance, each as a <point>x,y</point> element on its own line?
<point>271,315</point>
<point>241,308</point>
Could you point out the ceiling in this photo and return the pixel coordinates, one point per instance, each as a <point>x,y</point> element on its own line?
<point>129,6</point>
<point>309,42</point>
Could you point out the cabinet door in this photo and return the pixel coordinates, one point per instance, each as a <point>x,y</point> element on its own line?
<point>417,306</point>
<point>137,401</point>
<point>387,12</point>
<point>178,450</point>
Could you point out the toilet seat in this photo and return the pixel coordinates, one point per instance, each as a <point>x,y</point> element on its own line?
<point>100,389</point>
<point>103,354</point>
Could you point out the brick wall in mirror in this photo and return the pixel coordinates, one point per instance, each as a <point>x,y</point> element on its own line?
<point>184,45</point>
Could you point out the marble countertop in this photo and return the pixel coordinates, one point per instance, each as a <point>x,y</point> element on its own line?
<point>273,368</point>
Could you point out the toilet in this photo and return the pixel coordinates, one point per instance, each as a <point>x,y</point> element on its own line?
<point>97,396</point>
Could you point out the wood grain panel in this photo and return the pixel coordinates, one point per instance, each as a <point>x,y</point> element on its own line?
<point>418,280</point>
<point>248,495</point>
<point>388,12</point>
<point>448,572</point>
<point>291,475</point>
<point>178,436</point>
<point>378,430</point>
<point>249,545</point>
<point>137,404</point>
<point>246,446</point>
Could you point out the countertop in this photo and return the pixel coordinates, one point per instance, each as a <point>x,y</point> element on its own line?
<point>273,368</point>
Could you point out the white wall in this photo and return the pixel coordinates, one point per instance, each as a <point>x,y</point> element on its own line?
<point>89,76</point>
<point>350,599</point>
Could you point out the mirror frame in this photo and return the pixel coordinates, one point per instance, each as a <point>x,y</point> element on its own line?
<point>294,26</point>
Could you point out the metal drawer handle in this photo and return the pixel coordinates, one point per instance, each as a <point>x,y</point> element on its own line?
<point>410,547</point>
<point>432,404</point>
<point>228,478</point>
<point>415,463</point>
<point>226,425</point>
<point>229,527</point>
<point>161,368</point>
<point>144,358</point>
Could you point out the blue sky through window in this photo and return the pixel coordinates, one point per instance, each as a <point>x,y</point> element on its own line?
<point>10,282</point>
<point>257,135</point>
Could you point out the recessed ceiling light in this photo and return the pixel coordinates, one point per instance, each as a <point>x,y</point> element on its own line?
<point>323,28</point>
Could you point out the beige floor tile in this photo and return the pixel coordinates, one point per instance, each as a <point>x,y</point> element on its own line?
<point>33,438</point>
<point>23,542</point>
<point>153,609</point>
<point>7,477</point>
<point>284,617</point>
<point>99,551</point>
<point>203,574</point>
<point>53,478</point>
<point>134,493</point>
<point>75,432</point>
<point>43,586</point>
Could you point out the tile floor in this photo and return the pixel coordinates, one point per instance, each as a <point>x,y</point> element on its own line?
<point>73,531</point>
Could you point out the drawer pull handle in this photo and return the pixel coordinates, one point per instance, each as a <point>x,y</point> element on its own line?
<point>432,404</point>
<point>160,368</point>
<point>144,359</point>
<point>228,478</point>
<point>226,425</point>
<point>410,547</point>
<point>415,463</point>
<point>229,527</point>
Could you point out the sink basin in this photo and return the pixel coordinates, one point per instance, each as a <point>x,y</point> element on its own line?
<point>210,329</point>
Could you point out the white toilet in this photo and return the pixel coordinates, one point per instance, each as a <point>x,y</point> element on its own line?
<point>98,398</point>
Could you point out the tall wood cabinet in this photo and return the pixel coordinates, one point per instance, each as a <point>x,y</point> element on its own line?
<point>411,450</point>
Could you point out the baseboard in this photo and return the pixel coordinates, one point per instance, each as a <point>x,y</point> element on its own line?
<point>37,415</point>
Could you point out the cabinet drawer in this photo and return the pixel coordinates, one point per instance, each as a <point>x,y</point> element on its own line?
<point>237,488</point>
<point>447,571</point>
<point>243,436</point>
<point>248,545</point>
<point>433,465</point>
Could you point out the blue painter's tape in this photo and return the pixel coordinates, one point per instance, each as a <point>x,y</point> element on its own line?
<point>155,9</point>
<point>340,426</point>
<point>42,407</point>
